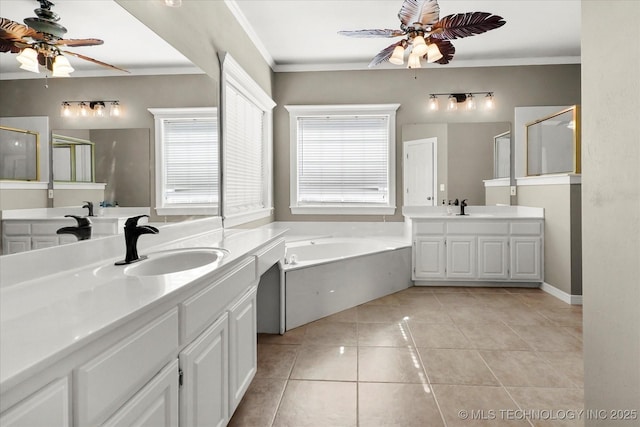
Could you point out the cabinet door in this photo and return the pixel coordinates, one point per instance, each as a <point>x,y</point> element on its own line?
<point>461,257</point>
<point>156,405</point>
<point>493,257</point>
<point>204,394</point>
<point>243,361</point>
<point>526,262</point>
<point>15,244</point>
<point>428,258</point>
<point>41,242</point>
<point>48,407</point>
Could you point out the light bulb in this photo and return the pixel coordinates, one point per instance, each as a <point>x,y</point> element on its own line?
<point>471,102</point>
<point>84,110</point>
<point>98,109</point>
<point>115,109</point>
<point>452,103</point>
<point>397,57</point>
<point>65,110</point>
<point>488,101</point>
<point>433,52</point>
<point>173,3</point>
<point>433,103</point>
<point>419,46</point>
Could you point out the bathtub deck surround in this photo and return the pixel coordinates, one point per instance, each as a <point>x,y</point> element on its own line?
<point>331,266</point>
<point>89,343</point>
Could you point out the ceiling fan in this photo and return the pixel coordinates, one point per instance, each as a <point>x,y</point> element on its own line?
<point>427,34</point>
<point>39,42</point>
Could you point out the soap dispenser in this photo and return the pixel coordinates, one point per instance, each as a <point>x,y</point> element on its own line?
<point>449,208</point>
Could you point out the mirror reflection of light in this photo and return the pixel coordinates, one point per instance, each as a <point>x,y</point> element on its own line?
<point>341,349</point>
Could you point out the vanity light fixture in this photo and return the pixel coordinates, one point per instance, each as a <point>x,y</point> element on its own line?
<point>173,3</point>
<point>456,99</point>
<point>90,108</point>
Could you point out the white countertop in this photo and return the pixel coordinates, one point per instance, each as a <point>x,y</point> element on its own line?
<point>45,318</point>
<point>474,212</point>
<point>100,214</point>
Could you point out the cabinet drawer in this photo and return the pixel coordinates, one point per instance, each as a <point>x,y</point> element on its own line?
<point>106,382</point>
<point>200,310</point>
<point>269,255</point>
<point>528,228</point>
<point>488,227</point>
<point>49,228</point>
<point>428,227</point>
<point>15,229</point>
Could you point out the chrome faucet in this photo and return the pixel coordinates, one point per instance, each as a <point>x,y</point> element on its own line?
<point>89,205</point>
<point>131,233</point>
<point>82,230</point>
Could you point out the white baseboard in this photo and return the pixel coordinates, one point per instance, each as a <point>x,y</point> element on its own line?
<point>561,295</point>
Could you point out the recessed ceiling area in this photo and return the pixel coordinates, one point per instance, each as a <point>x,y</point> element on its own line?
<point>127,44</point>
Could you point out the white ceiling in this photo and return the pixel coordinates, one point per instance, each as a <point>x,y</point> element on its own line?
<point>127,44</point>
<point>302,34</point>
<point>297,35</point>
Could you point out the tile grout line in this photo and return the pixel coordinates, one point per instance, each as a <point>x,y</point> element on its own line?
<point>433,392</point>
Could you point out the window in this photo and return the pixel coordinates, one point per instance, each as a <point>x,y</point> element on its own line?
<point>187,165</point>
<point>247,147</point>
<point>343,159</point>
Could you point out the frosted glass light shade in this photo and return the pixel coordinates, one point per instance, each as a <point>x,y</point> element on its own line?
<point>84,109</point>
<point>99,110</point>
<point>173,3</point>
<point>414,61</point>
<point>433,53</point>
<point>397,57</point>
<point>488,101</point>
<point>419,46</point>
<point>65,110</point>
<point>433,103</point>
<point>471,102</point>
<point>61,67</point>
<point>452,103</point>
<point>115,110</point>
<point>28,59</point>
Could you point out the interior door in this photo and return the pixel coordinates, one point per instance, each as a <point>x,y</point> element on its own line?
<point>420,177</point>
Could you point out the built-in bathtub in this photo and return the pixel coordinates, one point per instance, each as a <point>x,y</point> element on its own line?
<point>323,276</point>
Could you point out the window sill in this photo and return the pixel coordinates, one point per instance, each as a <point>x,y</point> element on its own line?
<point>245,217</point>
<point>343,210</point>
<point>187,210</point>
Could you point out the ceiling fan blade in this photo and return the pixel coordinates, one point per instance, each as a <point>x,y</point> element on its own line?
<point>14,31</point>
<point>372,33</point>
<point>466,24</point>
<point>79,42</point>
<point>426,12</point>
<point>86,58</point>
<point>446,49</point>
<point>383,55</point>
<point>8,46</point>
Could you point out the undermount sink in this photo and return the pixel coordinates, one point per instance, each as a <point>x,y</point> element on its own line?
<point>175,261</point>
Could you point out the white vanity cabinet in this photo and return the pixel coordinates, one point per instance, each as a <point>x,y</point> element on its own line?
<point>48,407</point>
<point>204,394</point>
<point>484,250</point>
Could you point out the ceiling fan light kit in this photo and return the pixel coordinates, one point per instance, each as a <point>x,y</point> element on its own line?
<point>38,43</point>
<point>426,34</point>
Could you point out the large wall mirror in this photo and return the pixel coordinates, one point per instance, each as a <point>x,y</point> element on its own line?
<point>19,154</point>
<point>553,143</point>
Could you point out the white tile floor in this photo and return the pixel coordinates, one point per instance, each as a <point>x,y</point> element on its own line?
<point>421,357</point>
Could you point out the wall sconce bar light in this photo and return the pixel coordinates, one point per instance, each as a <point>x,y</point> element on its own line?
<point>454,99</point>
<point>90,108</point>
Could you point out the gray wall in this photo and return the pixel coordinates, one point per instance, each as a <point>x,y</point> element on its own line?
<point>562,261</point>
<point>611,207</point>
<point>513,86</point>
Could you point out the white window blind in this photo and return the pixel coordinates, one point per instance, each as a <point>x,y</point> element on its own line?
<point>244,154</point>
<point>343,159</point>
<point>190,154</point>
